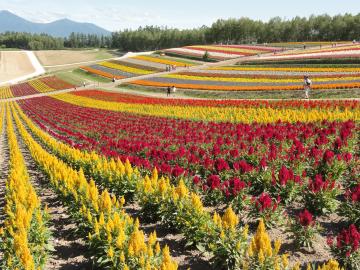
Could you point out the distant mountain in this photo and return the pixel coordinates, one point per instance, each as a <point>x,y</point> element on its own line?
<point>60,28</point>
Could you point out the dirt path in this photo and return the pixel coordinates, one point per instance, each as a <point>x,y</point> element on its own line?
<point>4,171</point>
<point>70,250</point>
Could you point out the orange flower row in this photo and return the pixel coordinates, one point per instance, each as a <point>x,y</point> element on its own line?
<point>101,73</point>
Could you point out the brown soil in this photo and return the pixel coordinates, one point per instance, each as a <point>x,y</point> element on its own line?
<point>64,57</point>
<point>14,64</point>
<point>4,170</point>
<point>70,250</point>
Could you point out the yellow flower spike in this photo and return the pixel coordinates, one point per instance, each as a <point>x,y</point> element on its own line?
<point>230,219</point>
<point>261,257</point>
<point>250,251</point>
<point>222,234</point>
<point>113,200</point>
<point>89,236</point>
<point>163,186</point>
<point>181,190</point>
<point>101,219</point>
<point>137,223</point>
<point>128,168</point>
<point>122,257</point>
<point>157,248</point>
<point>217,219</point>
<point>167,262</point>
<point>154,175</point>
<point>110,253</point>
<point>142,261</point>
<point>330,265</point>
<point>122,201</point>
<point>120,239</point>
<point>196,202</point>
<point>246,231</point>
<point>277,246</point>
<point>96,228</point>
<point>89,216</point>
<point>126,267</point>
<point>106,202</point>
<point>152,238</point>
<point>284,259</point>
<point>308,267</point>
<point>137,242</point>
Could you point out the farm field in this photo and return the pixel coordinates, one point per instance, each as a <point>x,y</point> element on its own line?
<point>126,181</point>
<point>332,68</point>
<point>9,67</point>
<point>228,184</point>
<point>136,66</point>
<point>41,85</point>
<point>257,78</point>
<point>50,59</point>
<point>219,52</point>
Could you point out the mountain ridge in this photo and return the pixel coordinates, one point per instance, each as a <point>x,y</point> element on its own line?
<point>59,28</point>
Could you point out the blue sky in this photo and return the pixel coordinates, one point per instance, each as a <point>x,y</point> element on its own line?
<point>120,14</point>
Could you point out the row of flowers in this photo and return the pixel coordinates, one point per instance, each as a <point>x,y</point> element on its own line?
<point>218,114</point>
<point>125,68</point>
<point>136,99</point>
<point>41,85</point>
<point>159,198</point>
<point>274,76</point>
<point>243,79</point>
<point>161,60</point>
<point>294,68</point>
<point>5,92</point>
<point>25,234</point>
<point>116,237</point>
<point>202,86</point>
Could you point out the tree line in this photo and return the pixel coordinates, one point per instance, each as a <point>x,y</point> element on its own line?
<point>27,41</point>
<point>243,31</point>
<point>231,31</point>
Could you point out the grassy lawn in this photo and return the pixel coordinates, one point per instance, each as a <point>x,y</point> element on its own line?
<point>78,76</point>
<point>298,94</point>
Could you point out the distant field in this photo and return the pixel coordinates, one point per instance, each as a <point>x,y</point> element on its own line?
<point>52,58</point>
<point>9,65</point>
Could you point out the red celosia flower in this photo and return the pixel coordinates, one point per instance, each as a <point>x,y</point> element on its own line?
<point>264,202</point>
<point>196,180</point>
<point>305,218</point>
<point>328,156</point>
<point>221,165</point>
<point>213,182</point>
<point>348,238</point>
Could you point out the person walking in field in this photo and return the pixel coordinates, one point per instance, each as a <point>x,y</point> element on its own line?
<point>84,84</point>
<point>168,91</point>
<point>307,86</point>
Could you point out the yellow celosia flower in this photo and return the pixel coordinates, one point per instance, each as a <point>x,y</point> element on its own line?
<point>167,262</point>
<point>230,220</point>
<point>181,190</point>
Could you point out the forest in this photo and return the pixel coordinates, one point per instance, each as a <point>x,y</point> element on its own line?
<point>230,31</point>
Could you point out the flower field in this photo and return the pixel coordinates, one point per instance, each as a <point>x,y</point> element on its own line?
<point>220,52</point>
<point>339,51</point>
<point>251,184</point>
<point>260,78</point>
<point>42,85</point>
<point>135,66</point>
